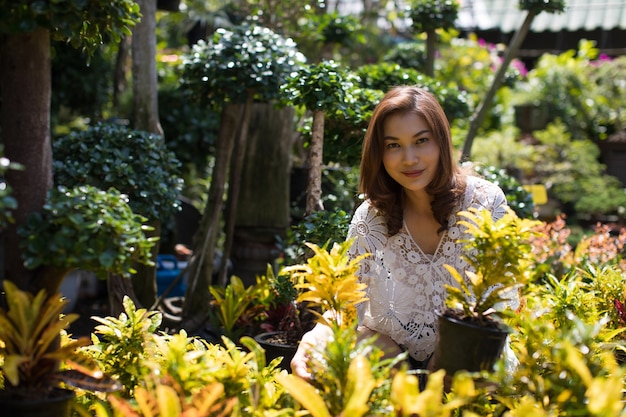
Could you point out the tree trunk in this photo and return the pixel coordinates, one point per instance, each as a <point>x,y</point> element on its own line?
<point>120,83</point>
<point>431,49</point>
<point>234,185</point>
<point>25,126</point>
<point>145,88</point>
<point>144,281</point>
<point>481,111</point>
<point>263,211</point>
<point>314,186</point>
<point>197,297</point>
<point>146,118</point>
<point>118,287</point>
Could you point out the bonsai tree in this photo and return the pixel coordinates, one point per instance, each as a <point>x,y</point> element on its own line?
<point>83,227</point>
<point>320,88</point>
<point>236,66</point>
<point>382,76</point>
<point>137,164</point>
<point>429,15</point>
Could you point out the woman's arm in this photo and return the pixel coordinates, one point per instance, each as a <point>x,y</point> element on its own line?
<point>315,340</point>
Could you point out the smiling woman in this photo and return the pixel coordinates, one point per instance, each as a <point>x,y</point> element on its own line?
<point>408,225</point>
<point>410,156</point>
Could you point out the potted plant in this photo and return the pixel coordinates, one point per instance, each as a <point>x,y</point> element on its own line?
<point>266,311</point>
<point>471,332</point>
<point>348,375</point>
<point>325,283</point>
<point>232,307</point>
<point>282,325</point>
<point>286,320</point>
<point>35,361</point>
<point>87,228</point>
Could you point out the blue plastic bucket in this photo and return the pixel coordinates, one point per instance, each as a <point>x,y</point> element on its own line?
<point>168,269</point>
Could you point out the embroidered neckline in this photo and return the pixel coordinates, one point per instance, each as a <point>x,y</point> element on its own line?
<point>429,256</point>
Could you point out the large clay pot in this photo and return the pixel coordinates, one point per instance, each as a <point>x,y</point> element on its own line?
<point>274,348</point>
<point>58,404</point>
<point>466,346</point>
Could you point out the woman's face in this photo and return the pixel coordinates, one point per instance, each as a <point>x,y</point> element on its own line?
<point>410,152</point>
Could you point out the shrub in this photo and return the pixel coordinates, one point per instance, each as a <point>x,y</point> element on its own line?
<point>320,227</point>
<point>383,76</point>
<point>407,55</point>
<point>236,61</point>
<point>86,228</point>
<point>136,163</point>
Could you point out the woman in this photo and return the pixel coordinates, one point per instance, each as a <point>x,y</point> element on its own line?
<point>408,223</point>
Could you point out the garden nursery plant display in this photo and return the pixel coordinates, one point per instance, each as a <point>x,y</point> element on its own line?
<point>566,331</point>
<point>178,374</point>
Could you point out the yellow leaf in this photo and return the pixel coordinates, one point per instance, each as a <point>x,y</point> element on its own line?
<point>404,391</point>
<point>167,400</point>
<point>360,385</point>
<point>304,393</point>
<point>11,368</point>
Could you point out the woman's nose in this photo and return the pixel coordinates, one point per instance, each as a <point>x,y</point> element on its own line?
<point>410,155</point>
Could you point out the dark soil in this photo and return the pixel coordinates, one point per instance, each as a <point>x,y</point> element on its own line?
<point>279,338</point>
<point>459,315</point>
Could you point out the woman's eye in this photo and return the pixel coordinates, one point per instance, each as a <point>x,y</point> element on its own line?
<point>421,140</point>
<point>391,145</point>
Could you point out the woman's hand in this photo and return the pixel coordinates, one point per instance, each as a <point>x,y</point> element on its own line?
<point>315,339</point>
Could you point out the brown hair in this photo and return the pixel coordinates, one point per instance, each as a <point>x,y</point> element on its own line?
<point>384,192</point>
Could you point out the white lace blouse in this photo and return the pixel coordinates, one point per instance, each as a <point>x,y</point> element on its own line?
<point>406,285</point>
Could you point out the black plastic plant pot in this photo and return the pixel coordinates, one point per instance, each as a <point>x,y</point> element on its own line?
<point>58,404</point>
<point>467,346</point>
<point>274,348</point>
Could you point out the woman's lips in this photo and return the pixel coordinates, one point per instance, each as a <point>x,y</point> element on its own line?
<point>413,173</point>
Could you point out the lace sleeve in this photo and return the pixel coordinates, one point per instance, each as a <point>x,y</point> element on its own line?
<point>485,194</point>
<point>368,230</point>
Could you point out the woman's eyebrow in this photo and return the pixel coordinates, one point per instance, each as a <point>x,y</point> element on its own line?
<point>420,133</point>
